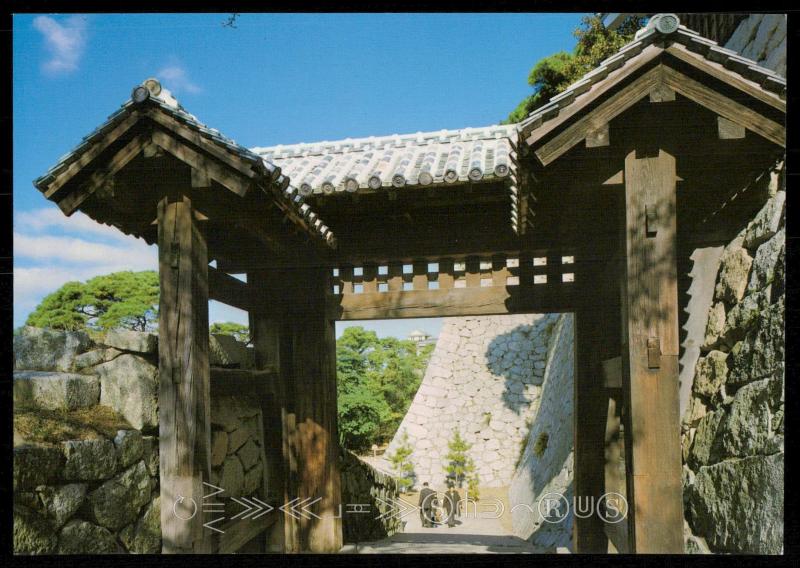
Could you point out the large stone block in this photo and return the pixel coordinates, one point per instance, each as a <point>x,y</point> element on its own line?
<point>117,502</point>
<point>129,385</point>
<point>89,460</point>
<point>744,315</point>
<point>737,505</point>
<point>734,271</point>
<point>129,340</point>
<point>766,223</point>
<point>227,351</point>
<point>715,325</point>
<point>762,352</point>
<point>706,448</point>
<point>39,349</point>
<point>129,446</point>
<point>60,503</point>
<point>145,536</point>
<point>747,429</point>
<point>249,454</point>
<point>710,374</point>
<point>766,261</point>
<point>36,464</point>
<point>85,361</point>
<point>150,454</point>
<point>55,391</point>
<point>32,533</point>
<point>232,477</point>
<point>219,447</point>
<point>81,537</point>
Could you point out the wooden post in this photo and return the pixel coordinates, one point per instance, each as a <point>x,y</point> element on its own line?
<point>650,354</point>
<point>591,269</point>
<point>265,336</point>
<point>317,444</point>
<point>184,412</point>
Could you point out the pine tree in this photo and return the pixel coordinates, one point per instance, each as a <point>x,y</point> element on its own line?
<point>401,462</point>
<point>460,466</point>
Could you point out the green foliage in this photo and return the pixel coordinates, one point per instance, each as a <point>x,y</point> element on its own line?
<point>541,444</point>
<point>401,462</point>
<point>376,381</point>
<point>556,72</point>
<point>460,466</point>
<point>121,299</point>
<point>237,330</point>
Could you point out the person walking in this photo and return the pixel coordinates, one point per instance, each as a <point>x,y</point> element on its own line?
<point>452,501</point>
<point>427,496</point>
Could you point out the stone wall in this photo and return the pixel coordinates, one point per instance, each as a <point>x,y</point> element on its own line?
<point>762,37</point>
<point>376,491</point>
<point>547,463</point>
<point>237,446</point>
<point>732,429</point>
<point>484,379</point>
<point>100,493</point>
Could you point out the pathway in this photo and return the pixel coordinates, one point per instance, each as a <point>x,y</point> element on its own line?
<point>476,533</point>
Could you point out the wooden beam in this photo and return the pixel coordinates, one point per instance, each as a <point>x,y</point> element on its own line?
<point>487,300</point>
<point>603,114</point>
<point>86,158</point>
<point>237,533</point>
<point>725,107</point>
<point>101,176</point>
<point>650,354</point>
<point>231,291</point>
<point>597,91</point>
<point>184,412</point>
<point>234,181</point>
<point>243,381</point>
<point>735,80</point>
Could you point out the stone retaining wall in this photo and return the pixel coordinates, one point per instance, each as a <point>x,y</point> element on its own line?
<point>484,379</point>
<point>732,430</point>
<point>547,463</point>
<point>762,37</point>
<point>101,495</point>
<point>375,490</point>
<point>95,495</point>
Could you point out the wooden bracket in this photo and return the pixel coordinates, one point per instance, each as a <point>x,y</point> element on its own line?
<point>653,353</point>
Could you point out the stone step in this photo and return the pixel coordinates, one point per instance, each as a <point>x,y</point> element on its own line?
<point>55,391</point>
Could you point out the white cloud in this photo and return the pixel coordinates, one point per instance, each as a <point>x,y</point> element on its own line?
<point>176,78</point>
<point>47,218</point>
<point>67,250</point>
<point>64,41</point>
<point>45,258</point>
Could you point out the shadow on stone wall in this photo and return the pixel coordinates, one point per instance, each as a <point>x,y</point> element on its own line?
<point>546,465</point>
<point>513,356</point>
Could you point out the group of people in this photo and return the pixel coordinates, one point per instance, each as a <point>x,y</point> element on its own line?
<point>430,506</point>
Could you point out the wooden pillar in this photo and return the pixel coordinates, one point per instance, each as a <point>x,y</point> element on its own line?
<point>650,354</point>
<point>184,413</point>
<point>304,342</point>
<point>272,342</point>
<point>590,398</point>
<point>316,435</point>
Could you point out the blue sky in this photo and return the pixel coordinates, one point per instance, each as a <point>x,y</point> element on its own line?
<point>274,79</point>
